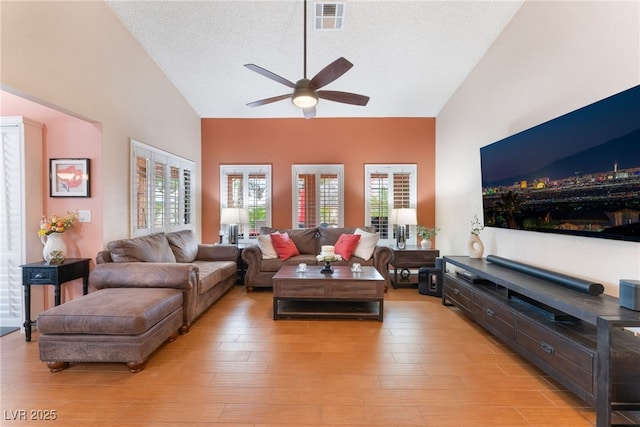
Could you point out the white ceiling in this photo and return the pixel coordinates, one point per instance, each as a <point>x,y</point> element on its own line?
<point>409,56</point>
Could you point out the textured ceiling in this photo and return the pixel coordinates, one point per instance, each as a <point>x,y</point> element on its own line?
<point>409,56</point>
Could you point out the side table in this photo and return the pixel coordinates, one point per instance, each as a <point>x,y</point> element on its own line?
<point>410,257</point>
<point>41,273</point>
<point>242,266</point>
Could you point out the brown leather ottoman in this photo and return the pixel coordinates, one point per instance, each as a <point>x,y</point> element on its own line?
<point>110,325</point>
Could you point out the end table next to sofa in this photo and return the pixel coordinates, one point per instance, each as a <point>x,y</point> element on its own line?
<point>412,257</point>
<point>41,273</point>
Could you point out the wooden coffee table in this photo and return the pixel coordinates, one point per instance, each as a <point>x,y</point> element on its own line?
<point>343,294</point>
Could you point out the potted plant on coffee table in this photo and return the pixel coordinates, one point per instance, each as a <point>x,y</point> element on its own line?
<point>426,233</point>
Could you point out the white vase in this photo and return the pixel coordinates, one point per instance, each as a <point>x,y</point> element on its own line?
<point>54,249</point>
<point>476,248</point>
<point>425,244</point>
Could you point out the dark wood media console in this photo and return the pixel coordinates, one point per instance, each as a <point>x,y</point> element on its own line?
<point>578,339</point>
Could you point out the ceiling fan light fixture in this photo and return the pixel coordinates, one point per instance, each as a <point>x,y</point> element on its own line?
<point>305,98</point>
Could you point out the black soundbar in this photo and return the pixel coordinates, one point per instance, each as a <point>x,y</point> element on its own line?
<point>570,282</point>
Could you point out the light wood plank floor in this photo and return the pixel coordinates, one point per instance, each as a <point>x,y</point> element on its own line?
<point>426,365</point>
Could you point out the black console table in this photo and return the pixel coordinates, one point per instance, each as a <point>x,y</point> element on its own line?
<point>577,338</point>
<point>41,273</point>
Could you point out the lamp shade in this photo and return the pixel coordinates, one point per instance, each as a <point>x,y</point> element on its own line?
<point>234,216</point>
<point>403,216</point>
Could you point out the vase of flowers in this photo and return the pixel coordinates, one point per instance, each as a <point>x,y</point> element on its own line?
<point>50,234</point>
<point>476,247</point>
<point>425,234</point>
<point>327,262</point>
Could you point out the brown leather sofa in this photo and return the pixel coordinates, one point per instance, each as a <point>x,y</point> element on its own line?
<point>204,272</point>
<point>308,241</point>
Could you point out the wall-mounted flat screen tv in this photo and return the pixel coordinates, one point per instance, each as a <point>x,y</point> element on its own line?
<point>576,174</point>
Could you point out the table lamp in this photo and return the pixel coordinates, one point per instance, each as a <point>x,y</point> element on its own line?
<point>402,217</point>
<point>232,217</point>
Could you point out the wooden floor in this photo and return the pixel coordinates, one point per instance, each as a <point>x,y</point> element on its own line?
<point>426,365</point>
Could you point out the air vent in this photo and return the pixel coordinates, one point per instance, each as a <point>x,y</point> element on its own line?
<point>329,16</point>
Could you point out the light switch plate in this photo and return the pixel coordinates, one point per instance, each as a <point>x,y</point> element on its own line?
<point>84,215</point>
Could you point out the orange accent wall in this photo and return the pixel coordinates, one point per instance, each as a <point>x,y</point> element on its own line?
<point>282,143</point>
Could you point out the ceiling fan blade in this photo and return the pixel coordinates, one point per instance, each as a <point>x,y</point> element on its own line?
<point>268,100</point>
<point>268,74</point>
<point>309,113</point>
<point>330,73</point>
<point>344,97</point>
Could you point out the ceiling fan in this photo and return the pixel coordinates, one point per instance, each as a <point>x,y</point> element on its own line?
<point>305,92</point>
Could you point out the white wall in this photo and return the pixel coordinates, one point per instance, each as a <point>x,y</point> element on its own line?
<point>77,57</point>
<point>553,58</point>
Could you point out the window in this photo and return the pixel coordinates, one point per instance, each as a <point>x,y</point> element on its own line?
<point>318,196</point>
<point>162,190</point>
<point>388,187</point>
<point>249,187</point>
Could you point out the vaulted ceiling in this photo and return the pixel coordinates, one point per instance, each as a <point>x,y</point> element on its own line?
<point>409,56</point>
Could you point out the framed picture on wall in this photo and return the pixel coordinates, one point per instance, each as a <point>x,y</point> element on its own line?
<point>69,178</point>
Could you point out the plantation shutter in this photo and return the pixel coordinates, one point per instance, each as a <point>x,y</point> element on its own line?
<point>307,201</point>
<point>187,203</point>
<point>388,187</point>
<point>21,188</point>
<point>11,245</point>
<point>141,201</point>
<point>329,200</point>
<point>248,187</point>
<point>257,203</point>
<point>318,196</point>
<point>378,211</point>
<point>401,190</point>
<point>159,191</point>
<point>162,191</point>
<point>235,199</point>
<point>174,195</point>
<point>235,184</point>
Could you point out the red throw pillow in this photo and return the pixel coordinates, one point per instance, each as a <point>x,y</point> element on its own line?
<point>284,246</point>
<point>346,244</point>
